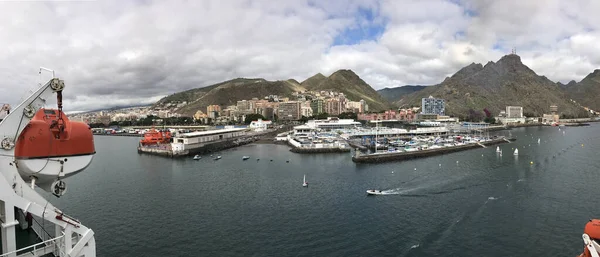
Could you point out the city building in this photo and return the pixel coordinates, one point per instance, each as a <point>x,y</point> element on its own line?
<point>213,108</point>
<point>260,125</point>
<point>433,105</point>
<point>512,115</point>
<point>317,106</point>
<point>552,117</point>
<point>289,111</point>
<point>514,112</point>
<point>306,111</point>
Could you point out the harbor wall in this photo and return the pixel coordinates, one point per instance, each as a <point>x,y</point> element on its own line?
<point>384,157</point>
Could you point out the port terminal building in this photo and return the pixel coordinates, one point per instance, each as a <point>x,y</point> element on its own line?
<point>209,136</point>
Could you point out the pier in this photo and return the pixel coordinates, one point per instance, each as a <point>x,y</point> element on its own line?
<point>399,156</point>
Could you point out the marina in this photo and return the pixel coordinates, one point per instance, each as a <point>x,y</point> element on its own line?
<point>275,214</point>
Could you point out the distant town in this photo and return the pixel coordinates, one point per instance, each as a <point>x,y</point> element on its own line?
<point>299,109</point>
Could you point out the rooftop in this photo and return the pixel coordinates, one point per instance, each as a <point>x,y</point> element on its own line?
<point>211,132</point>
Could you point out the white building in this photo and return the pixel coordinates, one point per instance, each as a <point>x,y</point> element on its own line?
<point>514,112</point>
<point>332,123</point>
<point>209,136</point>
<point>260,125</point>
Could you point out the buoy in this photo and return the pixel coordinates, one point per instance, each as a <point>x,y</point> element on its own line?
<point>415,168</point>
<point>440,165</point>
<point>530,162</point>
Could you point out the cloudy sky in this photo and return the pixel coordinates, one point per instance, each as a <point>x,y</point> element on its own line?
<point>133,52</point>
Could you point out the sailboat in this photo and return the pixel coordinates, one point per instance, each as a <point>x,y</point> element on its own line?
<point>498,149</point>
<point>305,184</point>
<point>516,152</point>
<point>500,152</point>
<point>538,140</point>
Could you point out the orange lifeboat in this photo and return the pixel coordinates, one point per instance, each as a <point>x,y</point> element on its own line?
<point>591,235</point>
<point>155,137</point>
<point>51,146</point>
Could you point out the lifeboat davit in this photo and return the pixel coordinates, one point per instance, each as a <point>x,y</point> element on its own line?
<point>154,137</point>
<point>52,147</point>
<point>591,239</point>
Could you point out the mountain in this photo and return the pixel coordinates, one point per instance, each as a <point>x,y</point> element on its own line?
<point>313,81</point>
<point>231,91</point>
<point>396,93</point>
<point>228,93</point>
<point>353,87</point>
<point>586,91</point>
<point>494,86</point>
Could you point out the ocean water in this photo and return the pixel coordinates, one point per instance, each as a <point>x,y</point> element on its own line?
<point>471,203</point>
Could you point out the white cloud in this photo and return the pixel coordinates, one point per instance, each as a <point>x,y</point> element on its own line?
<point>117,53</point>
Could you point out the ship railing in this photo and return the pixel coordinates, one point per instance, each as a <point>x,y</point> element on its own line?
<point>42,248</point>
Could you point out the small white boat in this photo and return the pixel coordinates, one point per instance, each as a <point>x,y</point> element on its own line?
<point>218,157</point>
<point>305,184</point>
<point>498,149</point>
<point>374,192</point>
<point>516,152</point>
<point>538,140</point>
<point>245,158</point>
<point>197,157</point>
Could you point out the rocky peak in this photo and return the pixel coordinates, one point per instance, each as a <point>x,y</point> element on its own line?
<point>467,71</point>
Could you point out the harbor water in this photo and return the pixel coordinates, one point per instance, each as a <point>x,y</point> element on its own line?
<point>470,203</point>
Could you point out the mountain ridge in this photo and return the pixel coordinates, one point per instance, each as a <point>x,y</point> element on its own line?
<point>229,92</point>
<point>494,86</point>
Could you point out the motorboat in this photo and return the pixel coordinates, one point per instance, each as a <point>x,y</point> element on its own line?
<point>245,157</point>
<point>374,192</point>
<point>516,152</point>
<point>497,149</point>
<point>218,157</point>
<point>305,184</point>
<point>197,157</point>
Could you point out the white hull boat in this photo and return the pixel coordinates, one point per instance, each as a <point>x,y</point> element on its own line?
<point>245,158</point>
<point>304,183</point>
<point>218,158</point>
<point>197,157</point>
<point>516,152</point>
<point>498,149</point>
<point>374,192</point>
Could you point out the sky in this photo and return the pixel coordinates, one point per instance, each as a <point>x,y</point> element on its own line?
<point>114,53</point>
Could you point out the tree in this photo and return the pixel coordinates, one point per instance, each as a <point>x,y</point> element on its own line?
<point>97,125</point>
<point>321,116</point>
<point>348,115</point>
<point>251,117</point>
<point>490,120</point>
<point>304,119</point>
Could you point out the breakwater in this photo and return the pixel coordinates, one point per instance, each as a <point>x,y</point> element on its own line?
<point>399,156</point>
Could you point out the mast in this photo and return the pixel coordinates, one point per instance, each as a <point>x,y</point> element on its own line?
<point>376,134</point>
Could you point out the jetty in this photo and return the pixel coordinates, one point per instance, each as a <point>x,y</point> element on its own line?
<point>400,156</point>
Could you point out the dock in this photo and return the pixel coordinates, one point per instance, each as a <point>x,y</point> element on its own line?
<point>204,142</point>
<point>400,156</point>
